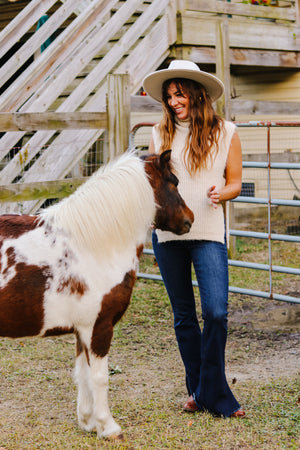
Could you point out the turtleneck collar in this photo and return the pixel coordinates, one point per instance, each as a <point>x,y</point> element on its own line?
<point>183,123</point>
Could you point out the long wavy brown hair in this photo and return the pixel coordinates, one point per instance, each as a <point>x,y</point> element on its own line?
<point>205,123</point>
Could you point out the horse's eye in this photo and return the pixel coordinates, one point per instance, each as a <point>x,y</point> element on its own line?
<point>174,180</point>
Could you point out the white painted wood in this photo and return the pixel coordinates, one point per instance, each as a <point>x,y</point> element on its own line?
<point>22,23</point>
<point>157,44</point>
<point>55,84</point>
<point>36,40</point>
<point>81,6</point>
<point>61,50</point>
<point>9,140</point>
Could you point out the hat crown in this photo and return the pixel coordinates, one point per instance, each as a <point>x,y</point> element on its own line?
<point>180,68</point>
<point>179,64</point>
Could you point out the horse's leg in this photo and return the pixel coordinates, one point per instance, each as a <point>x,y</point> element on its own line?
<point>113,306</point>
<point>105,424</point>
<point>85,404</point>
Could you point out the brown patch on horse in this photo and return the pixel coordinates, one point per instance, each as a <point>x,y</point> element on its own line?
<point>21,301</point>
<point>113,306</point>
<point>80,347</point>
<point>58,331</point>
<point>13,226</point>
<point>139,250</point>
<point>72,285</point>
<point>11,260</point>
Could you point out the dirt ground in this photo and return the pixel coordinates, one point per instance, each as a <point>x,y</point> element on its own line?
<point>273,341</point>
<point>263,344</point>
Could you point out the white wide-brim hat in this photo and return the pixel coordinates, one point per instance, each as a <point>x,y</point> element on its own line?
<point>153,82</point>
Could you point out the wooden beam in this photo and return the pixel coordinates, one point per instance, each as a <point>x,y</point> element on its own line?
<point>240,9</point>
<point>297,6</point>
<point>39,190</point>
<point>52,121</point>
<point>264,58</point>
<point>223,66</point>
<point>244,57</point>
<point>249,107</point>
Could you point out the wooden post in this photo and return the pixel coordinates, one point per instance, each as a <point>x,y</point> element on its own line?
<point>181,5</point>
<point>118,113</point>
<point>223,66</point>
<point>224,103</point>
<point>297,7</point>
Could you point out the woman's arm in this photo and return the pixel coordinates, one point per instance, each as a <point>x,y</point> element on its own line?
<point>233,174</point>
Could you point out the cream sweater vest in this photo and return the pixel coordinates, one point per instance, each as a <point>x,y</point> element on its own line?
<point>209,221</point>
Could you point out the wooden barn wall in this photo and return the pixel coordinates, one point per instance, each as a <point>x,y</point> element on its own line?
<point>267,85</point>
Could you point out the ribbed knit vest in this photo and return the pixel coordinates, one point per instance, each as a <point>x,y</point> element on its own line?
<point>209,221</point>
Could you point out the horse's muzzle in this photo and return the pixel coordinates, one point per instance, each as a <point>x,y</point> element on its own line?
<point>185,227</point>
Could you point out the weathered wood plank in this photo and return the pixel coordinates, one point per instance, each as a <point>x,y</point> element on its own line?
<point>241,9</point>
<point>36,40</point>
<point>118,111</point>
<point>94,78</point>
<point>157,43</point>
<point>242,57</point>
<point>198,30</point>
<point>263,58</point>
<point>39,190</point>
<point>144,104</point>
<point>297,7</point>
<point>223,67</point>
<point>267,108</point>
<point>70,40</point>
<point>22,23</point>
<point>52,121</point>
<point>64,45</point>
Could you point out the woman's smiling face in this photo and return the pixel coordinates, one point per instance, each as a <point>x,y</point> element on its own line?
<point>178,101</point>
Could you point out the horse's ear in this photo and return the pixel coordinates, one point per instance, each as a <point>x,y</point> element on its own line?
<point>165,158</point>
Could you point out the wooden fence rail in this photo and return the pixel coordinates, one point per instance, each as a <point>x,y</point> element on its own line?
<point>115,120</point>
<point>39,190</point>
<point>52,121</point>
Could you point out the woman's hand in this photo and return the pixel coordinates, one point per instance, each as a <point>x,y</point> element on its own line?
<point>214,196</point>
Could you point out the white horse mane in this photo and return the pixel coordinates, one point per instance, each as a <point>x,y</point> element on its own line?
<point>112,210</point>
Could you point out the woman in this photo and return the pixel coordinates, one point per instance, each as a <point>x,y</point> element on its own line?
<point>206,157</point>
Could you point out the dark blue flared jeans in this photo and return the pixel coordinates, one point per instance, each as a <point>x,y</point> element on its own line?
<point>202,352</point>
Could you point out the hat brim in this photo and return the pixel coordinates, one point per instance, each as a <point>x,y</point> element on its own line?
<point>153,82</point>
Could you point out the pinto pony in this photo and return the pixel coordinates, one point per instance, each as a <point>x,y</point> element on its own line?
<point>72,268</point>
